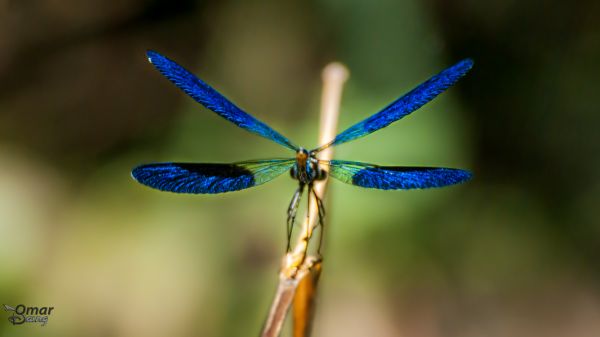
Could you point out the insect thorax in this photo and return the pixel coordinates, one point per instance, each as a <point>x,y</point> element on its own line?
<point>306,169</point>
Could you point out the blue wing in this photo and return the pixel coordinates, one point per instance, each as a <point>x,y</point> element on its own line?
<point>395,177</point>
<point>212,100</point>
<point>404,105</point>
<point>209,178</point>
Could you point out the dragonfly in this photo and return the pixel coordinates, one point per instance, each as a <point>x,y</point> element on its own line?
<point>305,166</point>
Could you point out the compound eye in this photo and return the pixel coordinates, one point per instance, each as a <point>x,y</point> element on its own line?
<point>294,172</point>
<point>313,174</point>
<point>322,175</point>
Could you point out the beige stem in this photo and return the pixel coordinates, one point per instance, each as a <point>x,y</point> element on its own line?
<point>295,265</point>
<point>334,76</point>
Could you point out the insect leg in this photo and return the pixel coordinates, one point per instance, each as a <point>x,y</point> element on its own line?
<point>321,210</point>
<point>308,214</point>
<point>291,213</point>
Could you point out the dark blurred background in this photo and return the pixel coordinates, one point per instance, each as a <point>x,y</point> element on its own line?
<point>514,252</point>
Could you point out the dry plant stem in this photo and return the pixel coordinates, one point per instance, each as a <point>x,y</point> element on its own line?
<point>296,265</point>
<point>334,77</point>
<point>283,298</point>
<point>304,301</point>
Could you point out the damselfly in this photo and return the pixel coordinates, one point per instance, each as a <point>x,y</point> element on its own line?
<point>211,178</point>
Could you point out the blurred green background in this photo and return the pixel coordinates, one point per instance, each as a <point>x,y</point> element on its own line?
<point>514,252</point>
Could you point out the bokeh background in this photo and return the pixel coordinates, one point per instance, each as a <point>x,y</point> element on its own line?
<point>513,253</point>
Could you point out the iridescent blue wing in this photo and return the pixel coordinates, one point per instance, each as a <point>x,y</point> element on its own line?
<point>404,105</point>
<point>395,177</point>
<point>213,100</point>
<point>209,178</point>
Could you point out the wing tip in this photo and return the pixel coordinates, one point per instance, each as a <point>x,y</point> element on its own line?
<point>143,176</point>
<point>466,64</point>
<point>151,54</point>
<point>142,173</point>
<point>451,176</point>
<point>468,61</point>
<point>136,173</point>
<point>465,176</point>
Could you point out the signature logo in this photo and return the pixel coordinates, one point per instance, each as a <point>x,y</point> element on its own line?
<point>22,314</point>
